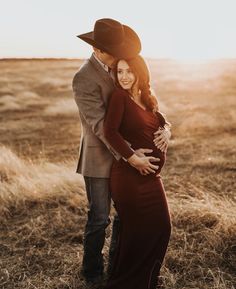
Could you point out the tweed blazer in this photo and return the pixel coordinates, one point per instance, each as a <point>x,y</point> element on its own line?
<point>92,87</point>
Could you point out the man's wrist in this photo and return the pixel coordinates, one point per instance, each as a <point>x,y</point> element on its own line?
<point>132,159</point>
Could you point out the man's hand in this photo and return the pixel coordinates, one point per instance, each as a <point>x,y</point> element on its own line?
<point>144,164</point>
<point>162,138</point>
<point>142,152</point>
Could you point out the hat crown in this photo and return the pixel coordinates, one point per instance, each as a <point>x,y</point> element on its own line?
<point>108,31</point>
<point>114,38</point>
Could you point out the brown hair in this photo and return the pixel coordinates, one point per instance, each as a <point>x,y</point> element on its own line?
<point>141,72</point>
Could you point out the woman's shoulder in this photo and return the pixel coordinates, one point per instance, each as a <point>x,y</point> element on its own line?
<point>119,92</point>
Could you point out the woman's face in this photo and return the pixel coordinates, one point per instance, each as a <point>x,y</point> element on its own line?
<point>125,76</point>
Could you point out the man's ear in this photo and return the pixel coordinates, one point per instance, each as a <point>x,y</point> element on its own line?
<point>98,51</point>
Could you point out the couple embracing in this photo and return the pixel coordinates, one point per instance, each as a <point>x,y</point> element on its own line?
<point>122,151</point>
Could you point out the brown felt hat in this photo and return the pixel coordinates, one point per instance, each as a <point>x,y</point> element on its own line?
<point>114,38</point>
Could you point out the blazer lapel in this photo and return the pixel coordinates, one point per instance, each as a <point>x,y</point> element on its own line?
<point>101,72</point>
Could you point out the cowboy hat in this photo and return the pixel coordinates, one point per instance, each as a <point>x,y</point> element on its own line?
<point>114,38</point>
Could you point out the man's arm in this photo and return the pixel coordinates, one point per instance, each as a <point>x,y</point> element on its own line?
<point>91,105</point>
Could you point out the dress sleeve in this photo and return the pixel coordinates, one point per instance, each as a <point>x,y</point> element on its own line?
<point>112,123</point>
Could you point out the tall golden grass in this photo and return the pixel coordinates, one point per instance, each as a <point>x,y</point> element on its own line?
<point>43,202</point>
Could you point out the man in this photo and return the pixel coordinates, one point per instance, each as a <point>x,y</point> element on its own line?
<point>92,86</point>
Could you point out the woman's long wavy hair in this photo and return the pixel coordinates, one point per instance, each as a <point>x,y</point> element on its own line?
<point>142,83</point>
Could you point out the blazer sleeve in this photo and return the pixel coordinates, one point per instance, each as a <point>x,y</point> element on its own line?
<point>112,123</point>
<point>91,105</point>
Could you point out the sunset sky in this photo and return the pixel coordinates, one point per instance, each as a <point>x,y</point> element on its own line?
<point>183,29</point>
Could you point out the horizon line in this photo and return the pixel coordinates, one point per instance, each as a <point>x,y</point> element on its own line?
<point>149,58</point>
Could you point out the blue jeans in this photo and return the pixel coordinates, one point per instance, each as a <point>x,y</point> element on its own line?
<point>99,199</point>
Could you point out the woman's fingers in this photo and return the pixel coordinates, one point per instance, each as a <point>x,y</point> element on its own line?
<point>159,143</point>
<point>161,137</point>
<point>159,131</point>
<point>162,147</point>
<point>166,149</point>
<point>158,140</point>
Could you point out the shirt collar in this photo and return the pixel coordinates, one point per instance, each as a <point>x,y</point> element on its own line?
<point>104,66</point>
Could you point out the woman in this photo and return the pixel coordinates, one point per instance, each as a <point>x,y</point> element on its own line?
<point>136,185</point>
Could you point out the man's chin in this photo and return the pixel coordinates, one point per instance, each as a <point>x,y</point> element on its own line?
<point>113,64</point>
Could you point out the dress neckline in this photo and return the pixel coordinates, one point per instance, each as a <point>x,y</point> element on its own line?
<point>144,109</point>
<point>150,113</point>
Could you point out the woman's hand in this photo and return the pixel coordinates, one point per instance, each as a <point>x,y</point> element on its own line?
<point>144,164</point>
<point>162,138</point>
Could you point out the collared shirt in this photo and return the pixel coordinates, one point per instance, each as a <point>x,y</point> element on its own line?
<point>104,66</point>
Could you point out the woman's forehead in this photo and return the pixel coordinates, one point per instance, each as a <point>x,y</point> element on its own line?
<point>122,64</point>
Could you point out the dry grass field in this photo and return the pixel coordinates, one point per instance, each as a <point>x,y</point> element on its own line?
<point>42,200</point>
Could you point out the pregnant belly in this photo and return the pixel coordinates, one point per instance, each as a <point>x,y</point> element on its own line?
<point>148,144</point>
<point>124,166</point>
<point>158,154</point>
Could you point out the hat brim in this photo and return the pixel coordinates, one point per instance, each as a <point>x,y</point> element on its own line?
<point>129,48</point>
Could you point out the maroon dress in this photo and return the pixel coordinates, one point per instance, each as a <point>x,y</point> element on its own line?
<point>139,200</point>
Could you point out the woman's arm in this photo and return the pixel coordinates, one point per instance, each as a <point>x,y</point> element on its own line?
<point>112,123</point>
<point>163,134</point>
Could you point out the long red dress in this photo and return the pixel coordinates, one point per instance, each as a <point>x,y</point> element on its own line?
<point>139,200</point>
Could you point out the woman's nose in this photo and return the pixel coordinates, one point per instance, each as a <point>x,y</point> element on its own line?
<point>124,75</point>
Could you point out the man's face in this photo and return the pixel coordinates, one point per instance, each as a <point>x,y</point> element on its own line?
<point>110,60</point>
<point>106,58</point>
